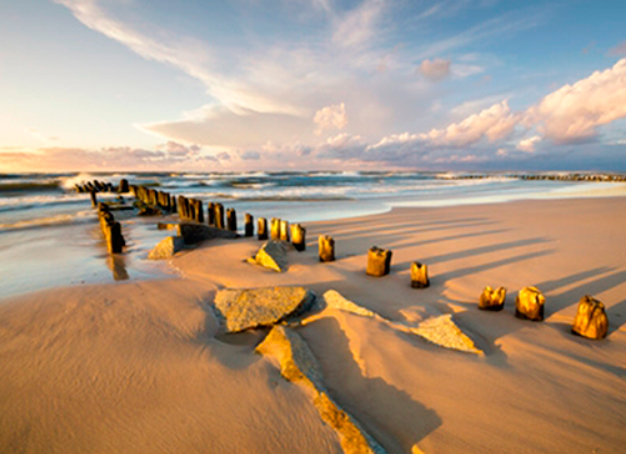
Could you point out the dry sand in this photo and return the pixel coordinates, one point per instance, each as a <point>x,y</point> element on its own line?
<point>141,367</point>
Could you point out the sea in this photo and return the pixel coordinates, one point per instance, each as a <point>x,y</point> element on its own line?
<point>50,236</point>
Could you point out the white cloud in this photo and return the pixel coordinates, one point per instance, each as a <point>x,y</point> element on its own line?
<point>358,25</point>
<point>495,123</point>
<point>528,145</point>
<point>331,117</point>
<point>435,70</point>
<point>41,136</point>
<point>574,112</point>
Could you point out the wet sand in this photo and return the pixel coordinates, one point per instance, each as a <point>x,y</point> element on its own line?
<point>142,366</point>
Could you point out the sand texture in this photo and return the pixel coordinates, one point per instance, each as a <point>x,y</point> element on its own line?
<point>144,367</point>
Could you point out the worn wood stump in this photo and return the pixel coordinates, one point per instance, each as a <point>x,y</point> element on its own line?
<point>378,262</point>
<point>419,275</point>
<point>492,300</point>
<point>275,229</point>
<point>248,224</point>
<point>262,229</point>
<point>529,304</point>
<point>326,248</point>
<point>591,320</point>
<point>231,219</point>
<point>284,230</point>
<point>219,216</point>
<point>211,214</point>
<point>298,237</point>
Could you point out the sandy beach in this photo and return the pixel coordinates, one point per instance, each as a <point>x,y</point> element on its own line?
<point>144,367</point>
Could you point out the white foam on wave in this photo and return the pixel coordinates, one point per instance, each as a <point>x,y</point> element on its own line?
<point>60,219</point>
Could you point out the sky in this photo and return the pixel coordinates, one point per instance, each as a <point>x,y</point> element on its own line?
<point>202,85</point>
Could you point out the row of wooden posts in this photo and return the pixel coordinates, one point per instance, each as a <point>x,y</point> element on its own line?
<point>102,186</point>
<point>591,320</point>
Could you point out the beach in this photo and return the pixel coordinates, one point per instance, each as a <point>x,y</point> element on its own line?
<point>145,366</point>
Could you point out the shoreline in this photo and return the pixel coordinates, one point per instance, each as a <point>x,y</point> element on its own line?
<point>143,366</point>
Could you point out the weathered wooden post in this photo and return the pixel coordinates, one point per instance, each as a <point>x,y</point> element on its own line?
<point>94,199</point>
<point>529,304</point>
<point>182,213</point>
<point>419,275</point>
<point>378,261</point>
<point>275,229</point>
<point>248,224</point>
<point>284,230</point>
<point>231,219</point>
<point>219,216</point>
<point>191,209</point>
<point>492,300</point>
<point>262,229</point>
<point>298,234</point>
<point>173,205</point>
<point>123,187</point>
<point>591,320</point>
<point>199,211</point>
<point>211,214</point>
<point>326,248</point>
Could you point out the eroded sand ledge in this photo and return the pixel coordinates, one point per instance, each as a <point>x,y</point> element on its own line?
<point>137,367</point>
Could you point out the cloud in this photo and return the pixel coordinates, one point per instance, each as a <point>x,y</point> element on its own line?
<point>495,123</point>
<point>573,112</point>
<point>331,117</point>
<point>41,136</point>
<point>223,156</point>
<point>435,70</point>
<point>178,149</point>
<point>619,50</point>
<point>528,145</point>
<point>250,155</point>
<point>358,25</point>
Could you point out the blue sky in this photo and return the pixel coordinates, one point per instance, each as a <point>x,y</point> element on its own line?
<point>312,84</point>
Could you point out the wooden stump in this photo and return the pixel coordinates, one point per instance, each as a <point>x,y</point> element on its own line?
<point>378,262</point>
<point>173,205</point>
<point>114,238</point>
<point>326,248</point>
<point>231,219</point>
<point>262,229</point>
<point>94,199</point>
<point>191,209</point>
<point>249,224</point>
<point>529,304</point>
<point>419,275</point>
<point>591,320</point>
<point>123,187</point>
<point>182,210</point>
<point>298,237</point>
<point>492,300</point>
<point>199,211</point>
<point>219,216</point>
<point>275,229</point>
<point>284,230</point>
<point>211,214</point>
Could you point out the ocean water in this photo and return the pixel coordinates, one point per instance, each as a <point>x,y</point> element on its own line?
<point>49,234</point>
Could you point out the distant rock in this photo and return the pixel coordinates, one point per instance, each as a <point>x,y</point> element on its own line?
<point>166,248</point>
<point>298,365</point>
<point>243,309</point>
<point>272,255</point>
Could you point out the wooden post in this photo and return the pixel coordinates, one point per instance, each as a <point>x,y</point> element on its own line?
<point>249,224</point>
<point>219,216</point>
<point>298,237</point>
<point>211,214</point>
<point>262,229</point>
<point>275,229</point>
<point>378,262</point>
<point>529,304</point>
<point>123,187</point>
<point>492,300</point>
<point>419,275</point>
<point>231,219</point>
<point>94,200</point>
<point>284,230</point>
<point>199,211</point>
<point>182,212</point>
<point>591,320</point>
<point>326,248</point>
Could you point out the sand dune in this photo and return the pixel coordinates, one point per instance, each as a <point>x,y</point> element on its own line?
<point>144,366</point>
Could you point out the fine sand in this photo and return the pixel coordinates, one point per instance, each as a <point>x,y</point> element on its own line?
<point>142,367</point>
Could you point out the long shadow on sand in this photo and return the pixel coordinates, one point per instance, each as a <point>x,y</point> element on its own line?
<point>369,400</point>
